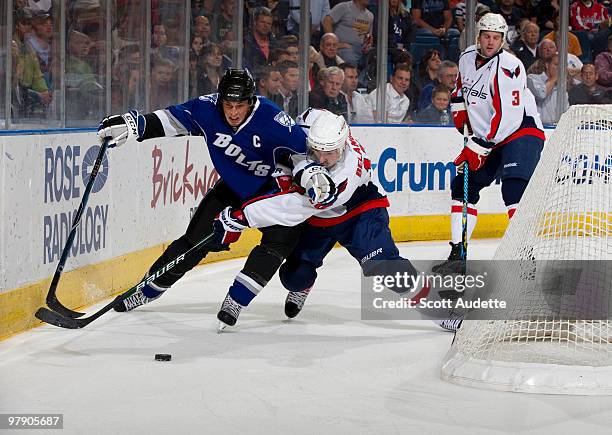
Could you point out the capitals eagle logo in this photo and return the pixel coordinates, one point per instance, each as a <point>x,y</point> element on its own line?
<point>512,74</point>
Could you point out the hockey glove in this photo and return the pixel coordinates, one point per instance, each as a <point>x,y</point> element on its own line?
<point>474,154</point>
<point>118,129</point>
<point>227,227</point>
<point>460,115</point>
<point>318,185</point>
<point>283,177</point>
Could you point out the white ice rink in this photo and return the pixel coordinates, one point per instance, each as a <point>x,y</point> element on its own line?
<point>325,372</point>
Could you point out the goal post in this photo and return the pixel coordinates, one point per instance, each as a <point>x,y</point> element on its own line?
<point>565,215</point>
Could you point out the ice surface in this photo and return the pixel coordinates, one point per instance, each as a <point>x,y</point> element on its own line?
<point>325,372</point>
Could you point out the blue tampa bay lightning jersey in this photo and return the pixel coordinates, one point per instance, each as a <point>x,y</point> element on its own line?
<point>244,158</point>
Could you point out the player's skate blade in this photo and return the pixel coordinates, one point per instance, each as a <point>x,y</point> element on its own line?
<point>295,302</point>
<point>228,314</point>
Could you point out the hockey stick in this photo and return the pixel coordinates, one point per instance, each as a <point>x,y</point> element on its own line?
<point>52,300</point>
<point>56,319</point>
<point>464,209</point>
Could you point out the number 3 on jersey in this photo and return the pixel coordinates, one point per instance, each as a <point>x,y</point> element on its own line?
<point>517,98</point>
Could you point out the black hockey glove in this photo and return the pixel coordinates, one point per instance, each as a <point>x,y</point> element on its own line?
<point>227,228</point>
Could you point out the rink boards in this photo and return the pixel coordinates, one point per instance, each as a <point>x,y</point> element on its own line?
<point>145,194</point>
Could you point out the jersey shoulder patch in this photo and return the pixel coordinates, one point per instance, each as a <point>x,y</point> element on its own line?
<point>212,98</point>
<point>284,119</point>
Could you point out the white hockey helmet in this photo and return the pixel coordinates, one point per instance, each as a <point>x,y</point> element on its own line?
<point>328,132</point>
<point>491,23</point>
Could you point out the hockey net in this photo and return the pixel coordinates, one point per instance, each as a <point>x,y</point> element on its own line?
<point>565,214</point>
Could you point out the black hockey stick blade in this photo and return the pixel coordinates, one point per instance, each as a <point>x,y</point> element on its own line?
<point>52,300</point>
<point>56,319</point>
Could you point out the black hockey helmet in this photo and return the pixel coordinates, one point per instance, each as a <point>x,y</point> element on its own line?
<point>237,85</point>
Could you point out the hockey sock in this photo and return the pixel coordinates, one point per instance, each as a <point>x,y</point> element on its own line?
<point>152,290</point>
<point>456,220</point>
<point>244,289</point>
<point>512,191</point>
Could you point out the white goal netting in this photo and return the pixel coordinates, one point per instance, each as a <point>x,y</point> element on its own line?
<point>565,214</point>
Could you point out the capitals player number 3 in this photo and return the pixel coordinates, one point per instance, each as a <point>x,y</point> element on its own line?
<point>233,150</point>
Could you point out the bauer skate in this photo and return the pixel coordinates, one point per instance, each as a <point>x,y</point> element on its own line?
<point>295,302</point>
<point>229,312</point>
<point>451,324</point>
<point>148,293</point>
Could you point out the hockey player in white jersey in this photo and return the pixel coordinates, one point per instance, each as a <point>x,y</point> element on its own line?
<point>506,138</point>
<point>357,219</point>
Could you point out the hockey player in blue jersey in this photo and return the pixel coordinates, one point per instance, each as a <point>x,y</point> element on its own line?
<point>357,219</point>
<point>246,136</point>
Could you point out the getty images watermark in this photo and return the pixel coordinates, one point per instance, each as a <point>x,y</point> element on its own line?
<point>398,292</point>
<point>489,290</point>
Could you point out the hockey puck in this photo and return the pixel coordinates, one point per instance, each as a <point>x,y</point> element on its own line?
<point>163,357</point>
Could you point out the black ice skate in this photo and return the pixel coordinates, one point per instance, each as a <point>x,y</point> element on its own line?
<point>142,296</point>
<point>453,264</point>
<point>295,302</point>
<point>229,312</point>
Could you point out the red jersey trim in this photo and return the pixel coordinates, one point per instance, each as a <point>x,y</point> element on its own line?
<point>459,209</point>
<point>498,110</point>
<point>530,131</point>
<point>330,222</point>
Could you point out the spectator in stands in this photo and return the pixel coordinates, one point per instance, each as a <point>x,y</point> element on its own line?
<point>291,43</point>
<point>586,15</point>
<point>40,41</point>
<point>328,54</point>
<point>358,106</point>
<point>269,81</point>
<point>225,19</point>
<point>603,66</point>
<point>286,98</point>
<point>526,47</point>
<point>202,28</point>
<point>544,88</point>
<point>446,79</point>
<point>400,26</point>
<point>573,44</point>
<point>127,88</point>
<point>204,7</point>
<point>526,9</point>
<point>588,92</point>
<point>433,17</point>
<point>459,13</point>
<point>428,68</point>
<point>481,10</point>
<point>547,49</point>
<point>210,69</point>
<point>319,9</point>
<point>397,102</point>
<point>159,47</point>
<point>164,87</point>
<point>197,44</point>
<point>30,92</point>
<point>511,14</point>
<point>328,96</point>
<point>259,42</point>
<point>545,11</point>
<point>437,112</point>
<point>84,94</point>
<point>352,22</point>
<point>278,55</point>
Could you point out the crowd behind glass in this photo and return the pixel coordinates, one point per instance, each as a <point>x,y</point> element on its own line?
<point>74,61</point>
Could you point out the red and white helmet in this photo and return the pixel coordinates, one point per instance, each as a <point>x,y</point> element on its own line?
<point>326,131</point>
<point>491,23</point>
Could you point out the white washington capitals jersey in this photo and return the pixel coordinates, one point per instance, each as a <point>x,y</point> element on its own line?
<point>357,193</point>
<point>500,107</point>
